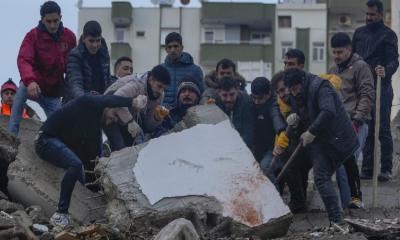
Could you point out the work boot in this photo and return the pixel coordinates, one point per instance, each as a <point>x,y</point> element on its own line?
<point>62,220</point>
<point>384,177</point>
<point>356,203</point>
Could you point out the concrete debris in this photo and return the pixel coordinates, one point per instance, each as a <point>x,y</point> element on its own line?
<point>33,181</point>
<point>179,229</point>
<point>132,211</point>
<point>377,228</point>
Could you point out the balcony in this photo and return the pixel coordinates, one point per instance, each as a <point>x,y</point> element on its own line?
<point>257,15</point>
<point>121,14</point>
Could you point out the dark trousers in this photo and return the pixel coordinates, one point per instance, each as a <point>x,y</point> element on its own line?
<point>324,167</point>
<point>118,136</point>
<point>353,177</point>
<point>57,153</point>
<point>296,177</point>
<point>385,135</point>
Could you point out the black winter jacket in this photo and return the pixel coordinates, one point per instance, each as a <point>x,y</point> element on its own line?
<point>78,123</point>
<point>267,123</point>
<point>330,122</point>
<point>377,46</point>
<point>241,117</point>
<point>80,78</point>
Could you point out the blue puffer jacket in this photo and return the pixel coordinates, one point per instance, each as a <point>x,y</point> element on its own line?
<point>177,70</point>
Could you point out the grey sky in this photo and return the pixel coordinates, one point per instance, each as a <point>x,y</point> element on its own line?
<point>19,16</point>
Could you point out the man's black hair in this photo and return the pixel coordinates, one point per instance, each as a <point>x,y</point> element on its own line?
<point>276,79</point>
<point>173,37</point>
<point>92,28</point>
<point>161,74</point>
<point>227,83</point>
<point>226,63</point>
<point>122,59</point>
<point>260,86</point>
<point>376,3</point>
<point>340,39</point>
<point>49,7</point>
<point>296,53</point>
<point>294,76</point>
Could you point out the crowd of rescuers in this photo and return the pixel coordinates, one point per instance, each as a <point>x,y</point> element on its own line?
<point>327,118</point>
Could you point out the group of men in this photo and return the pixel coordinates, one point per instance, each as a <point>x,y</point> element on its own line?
<point>325,119</point>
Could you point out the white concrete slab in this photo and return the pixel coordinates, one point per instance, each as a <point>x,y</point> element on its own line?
<point>210,160</point>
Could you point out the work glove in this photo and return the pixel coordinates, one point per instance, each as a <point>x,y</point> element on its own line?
<point>307,138</point>
<point>160,113</point>
<point>139,103</point>
<point>281,143</point>
<point>134,129</point>
<point>293,120</point>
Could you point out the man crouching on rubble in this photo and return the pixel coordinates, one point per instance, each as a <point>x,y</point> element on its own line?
<point>70,138</point>
<point>330,137</point>
<point>145,114</point>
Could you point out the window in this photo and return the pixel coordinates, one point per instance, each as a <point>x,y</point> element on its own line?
<point>120,34</point>
<point>209,36</point>
<point>318,51</point>
<point>260,37</point>
<point>286,46</point>
<point>140,33</point>
<point>285,21</point>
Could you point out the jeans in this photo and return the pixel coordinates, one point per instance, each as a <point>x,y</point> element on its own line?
<point>385,135</point>
<point>265,165</point>
<point>324,167</point>
<point>57,153</point>
<point>344,188</point>
<point>49,105</point>
<point>362,138</point>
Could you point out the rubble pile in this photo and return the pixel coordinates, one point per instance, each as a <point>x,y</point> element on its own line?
<point>150,185</point>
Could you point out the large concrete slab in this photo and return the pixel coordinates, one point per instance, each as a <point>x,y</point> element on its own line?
<point>33,181</point>
<point>129,208</point>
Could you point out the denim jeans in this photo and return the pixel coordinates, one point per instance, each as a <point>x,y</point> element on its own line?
<point>324,167</point>
<point>49,105</point>
<point>385,135</point>
<point>344,188</point>
<point>265,165</point>
<point>362,138</point>
<point>57,153</point>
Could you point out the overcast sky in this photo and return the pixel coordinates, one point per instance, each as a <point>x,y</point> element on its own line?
<point>17,17</point>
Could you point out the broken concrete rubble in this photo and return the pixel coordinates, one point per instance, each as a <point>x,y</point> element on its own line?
<point>33,181</point>
<point>128,208</point>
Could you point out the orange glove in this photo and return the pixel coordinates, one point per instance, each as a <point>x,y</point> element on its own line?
<point>282,140</point>
<point>160,113</point>
<point>211,101</point>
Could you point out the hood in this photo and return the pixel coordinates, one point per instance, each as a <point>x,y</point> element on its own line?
<point>354,59</point>
<point>185,59</point>
<point>211,80</point>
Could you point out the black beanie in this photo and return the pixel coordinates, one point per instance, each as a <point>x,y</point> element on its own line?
<point>173,37</point>
<point>189,82</point>
<point>161,74</point>
<point>260,86</point>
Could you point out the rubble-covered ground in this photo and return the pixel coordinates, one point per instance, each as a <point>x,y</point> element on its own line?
<point>30,221</point>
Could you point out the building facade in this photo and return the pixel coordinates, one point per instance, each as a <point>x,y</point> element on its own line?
<point>302,24</point>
